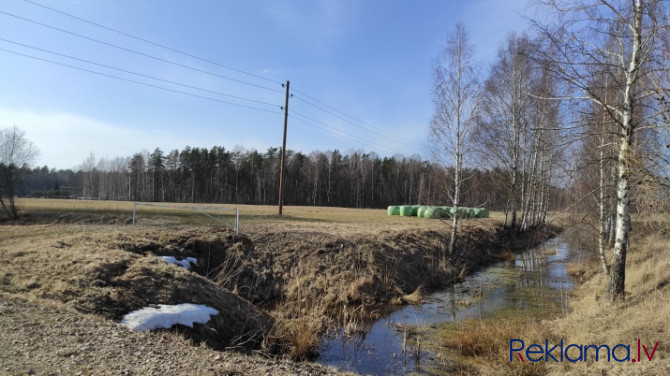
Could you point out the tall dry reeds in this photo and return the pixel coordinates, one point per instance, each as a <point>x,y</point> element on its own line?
<point>484,343</point>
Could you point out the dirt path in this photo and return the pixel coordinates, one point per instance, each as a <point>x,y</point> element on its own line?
<point>43,338</point>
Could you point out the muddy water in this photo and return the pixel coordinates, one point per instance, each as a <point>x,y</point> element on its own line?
<point>534,280</point>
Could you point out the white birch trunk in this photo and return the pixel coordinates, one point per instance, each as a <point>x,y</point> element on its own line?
<point>601,206</point>
<point>616,283</point>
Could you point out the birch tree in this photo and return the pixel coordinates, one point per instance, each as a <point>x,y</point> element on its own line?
<point>15,152</point>
<point>581,40</point>
<point>89,173</point>
<point>456,98</point>
<point>506,119</point>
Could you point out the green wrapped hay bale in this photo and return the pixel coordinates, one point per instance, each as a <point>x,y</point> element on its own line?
<point>471,213</point>
<point>447,211</point>
<point>434,212</point>
<point>421,211</point>
<point>463,212</point>
<point>393,210</point>
<point>481,213</point>
<point>407,211</point>
<point>426,210</point>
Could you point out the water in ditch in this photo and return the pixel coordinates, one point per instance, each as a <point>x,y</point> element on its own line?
<point>535,279</point>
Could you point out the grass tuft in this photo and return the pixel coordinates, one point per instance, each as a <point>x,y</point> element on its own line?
<point>484,344</point>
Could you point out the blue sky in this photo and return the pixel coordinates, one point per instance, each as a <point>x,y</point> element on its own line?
<point>368,61</point>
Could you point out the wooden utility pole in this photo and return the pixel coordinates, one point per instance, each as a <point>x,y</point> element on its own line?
<point>283,153</point>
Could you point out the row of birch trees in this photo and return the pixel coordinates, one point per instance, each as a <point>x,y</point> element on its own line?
<point>500,122</point>
<point>579,102</point>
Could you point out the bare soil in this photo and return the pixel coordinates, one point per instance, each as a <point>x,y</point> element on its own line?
<point>42,337</point>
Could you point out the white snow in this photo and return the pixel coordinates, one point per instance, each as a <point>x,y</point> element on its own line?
<point>186,263</point>
<point>168,315</point>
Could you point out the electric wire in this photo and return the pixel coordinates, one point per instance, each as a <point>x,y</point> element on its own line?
<point>357,125</point>
<point>151,42</point>
<point>137,52</point>
<point>322,106</point>
<point>327,106</point>
<point>330,110</point>
<point>336,110</point>
<point>332,130</point>
<point>137,74</point>
<point>314,102</point>
<point>353,139</point>
<point>137,82</point>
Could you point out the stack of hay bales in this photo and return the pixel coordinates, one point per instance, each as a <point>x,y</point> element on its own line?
<point>435,212</point>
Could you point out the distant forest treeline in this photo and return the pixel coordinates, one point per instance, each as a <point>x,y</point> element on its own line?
<point>217,175</point>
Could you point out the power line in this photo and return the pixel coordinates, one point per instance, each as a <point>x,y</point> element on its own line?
<point>137,74</point>
<point>151,42</point>
<point>137,52</point>
<point>336,110</point>
<point>136,82</point>
<point>311,101</point>
<point>337,132</point>
<point>327,106</point>
<point>331,111</point>
<point>331,132</point>
<point>356,125</point>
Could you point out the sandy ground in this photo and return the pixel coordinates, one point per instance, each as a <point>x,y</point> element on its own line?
<point>44,338</point>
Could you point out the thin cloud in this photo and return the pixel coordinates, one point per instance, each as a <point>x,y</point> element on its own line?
<point>65,138</point>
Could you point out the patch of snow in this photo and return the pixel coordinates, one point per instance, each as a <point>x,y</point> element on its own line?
<point>186,263</point>
<point>166,316</point>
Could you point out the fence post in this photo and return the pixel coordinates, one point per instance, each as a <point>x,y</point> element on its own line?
<point>237,221</point>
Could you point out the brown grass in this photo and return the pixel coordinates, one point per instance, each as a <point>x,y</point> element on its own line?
<point>295,217</point>
<point>297,331</point>
<point>484,343</point>
<point>644,315</point>
<point>303,267</point>
<point>110,273</point>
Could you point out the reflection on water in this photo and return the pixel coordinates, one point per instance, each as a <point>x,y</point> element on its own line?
<point>536,279</point>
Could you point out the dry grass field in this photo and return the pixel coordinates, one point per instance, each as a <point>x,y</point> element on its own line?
<point>120,212</point>
<point>298,271</point>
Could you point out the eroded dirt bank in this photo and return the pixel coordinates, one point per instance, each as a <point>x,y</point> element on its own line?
<point>305,275</point>
<point>320,267</point>
<point>369,268</point>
